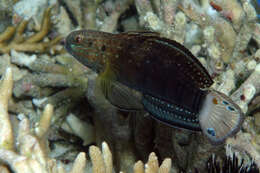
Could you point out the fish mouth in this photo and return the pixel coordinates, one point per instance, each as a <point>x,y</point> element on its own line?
<point>66,44</point>
<point>68,41</point>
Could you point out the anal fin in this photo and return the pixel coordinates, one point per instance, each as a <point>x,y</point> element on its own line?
<point>171,114</point>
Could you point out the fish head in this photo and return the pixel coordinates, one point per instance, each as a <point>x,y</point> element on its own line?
<point>84,45</point>
<point>219,117</point>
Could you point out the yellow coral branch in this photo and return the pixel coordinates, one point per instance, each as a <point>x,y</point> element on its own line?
<point>7,34</point>
<point>97,160</point>
<point>166,166</point>
<point>152,165</point>
<point>79,164</point>
<point>18,38</point>
<point>45,121</point>
<point>6,134</point>
<point>45,27</point>
<point>139,167</point>
<point>13,37</point>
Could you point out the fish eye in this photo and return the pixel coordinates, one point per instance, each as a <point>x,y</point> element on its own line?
<point>225,102</point>
<point>211,131</point>
<point>230,108</point>
<point>78,38</point>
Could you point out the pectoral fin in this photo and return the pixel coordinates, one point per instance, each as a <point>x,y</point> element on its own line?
<point>118,94</point>
<point>121,96</point>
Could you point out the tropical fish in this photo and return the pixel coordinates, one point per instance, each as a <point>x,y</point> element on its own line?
<point>173,84</point>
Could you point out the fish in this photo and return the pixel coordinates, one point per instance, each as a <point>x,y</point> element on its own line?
<point>172,85</point>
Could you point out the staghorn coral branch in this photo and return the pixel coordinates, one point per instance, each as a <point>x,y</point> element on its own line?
<point>97,160</point>
<point>6,137</point>
<point>16,161</point>
<point>45,27</point>
<point>7,34</point>
<point>32,81</point>
<point>107,157</point>
<point>152,165</point>
<point>18,38</point>
<point>16,41</point>
<point>165,166</point>
<point>139,167</point>
<point>30,154</point>
<point>79,164</point>
<point>100,162</point>
<point>31,147</point>
<point>37,64</point>
<point>45,121</point>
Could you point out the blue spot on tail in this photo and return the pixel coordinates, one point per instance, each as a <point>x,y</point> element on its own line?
<point>211,131</point>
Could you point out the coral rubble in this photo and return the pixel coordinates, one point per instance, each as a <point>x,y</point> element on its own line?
<point>224,35</point>
<point>28,151</point>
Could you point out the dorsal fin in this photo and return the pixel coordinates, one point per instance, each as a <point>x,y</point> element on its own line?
<point>148,46</point>
<point>199,75</point>
<point>141,33</point>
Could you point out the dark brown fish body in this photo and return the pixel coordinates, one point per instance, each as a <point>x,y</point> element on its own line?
<point>173,82</point>
<point>146,64</point>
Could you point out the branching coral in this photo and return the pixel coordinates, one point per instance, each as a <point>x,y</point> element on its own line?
<point>167,21</point>
<point>107,22</point>
<point>228,43</point>
<point>13,38</point>
<point>221,32</point>
<point>102,162</point>
<point>7,140</point>
<point>28,153</point>
<point>217,37</point>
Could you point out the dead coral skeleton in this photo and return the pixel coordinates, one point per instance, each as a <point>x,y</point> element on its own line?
<point>48,75</point>
<point>32,153</point>
<point>224,29</point>
<point>246,142</point>
<point>98,16</point>
<point>102,162</point>
<point>162,16</point>
<point>13,38</point>
<point>29,152</point>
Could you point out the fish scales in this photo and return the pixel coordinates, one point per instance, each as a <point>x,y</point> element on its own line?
<point>173,83</point>
<point>152,68</point>
<point>147,64</point>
